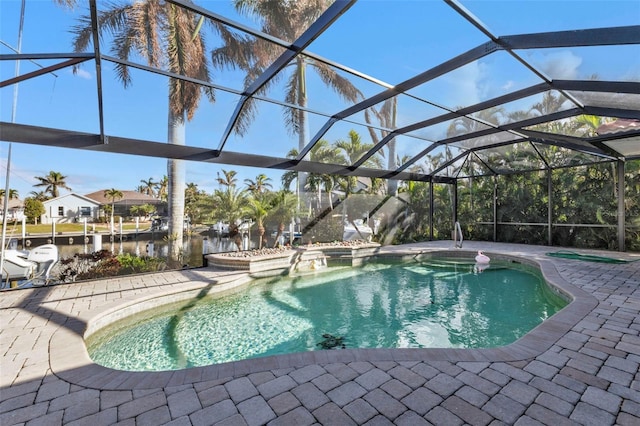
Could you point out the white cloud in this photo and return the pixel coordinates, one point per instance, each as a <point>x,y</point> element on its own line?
<point>508,85</point>
<point>464,85</point>
<point>560,65</point>
<point>83,74</point>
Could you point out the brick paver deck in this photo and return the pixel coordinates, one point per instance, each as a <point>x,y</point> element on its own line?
<point>579,367</point>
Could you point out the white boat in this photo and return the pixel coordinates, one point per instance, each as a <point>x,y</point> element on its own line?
<point>16,266</point>
<point>29,267</point>
<point>286,236</point>
<point>357,230</point>
<point>220,230</point>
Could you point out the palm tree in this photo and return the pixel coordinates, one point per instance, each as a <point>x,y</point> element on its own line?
<point>52,182</point>
<point>231,204</point>
<point>284,209</point>
<point>163,188</point>
<point>322,152</point>
<point>148,187</point>
<point>550,103</point>
<point>13,194</point>
<point>388,116</point>
<point>191,197</point>
<point>352,149</point>
<point>260,185</point>
<point>286,20</point>
<point>586,125</point>
<point>38,195</point>
<point>229,180</point>
<point>166,35</point>
<point>464,125</point>
<point>113,195</point>
<point>69,4</point>
<point>259,208</point>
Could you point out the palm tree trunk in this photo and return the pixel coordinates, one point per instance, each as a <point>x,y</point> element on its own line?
<point>280,231</point>
<point>303,133</point>
<point>261,231</point>
<point>176,175</point>
<point>392,184</point>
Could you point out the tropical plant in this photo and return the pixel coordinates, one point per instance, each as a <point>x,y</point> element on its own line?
<point>165,34</point>
<point>69,4</point>
<point>52,182</point>
<point>284,205</point>
<point>137,211</point>
<point>13,194</point>
<point>322,152</point>
<point>33,209</point>
<point>259,209</point>
<point>387,116</point>
<point>162,188</point>
<point>286,20</point>
<point>229,180</point>
<point>192,198</point>
<point>586,125</point>
<point>149,209</point>
<point>113,195</point>
<point>39,195</point>
<point>260,185</point>
<point>475,122</point>
<point>352,149</point>
<point>148,187</point>
<point>231,204</point>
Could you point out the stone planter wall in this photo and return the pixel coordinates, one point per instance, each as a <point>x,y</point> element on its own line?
<point>301,259</point>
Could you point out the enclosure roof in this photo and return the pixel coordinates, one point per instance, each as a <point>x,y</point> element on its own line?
<point>434,90</point>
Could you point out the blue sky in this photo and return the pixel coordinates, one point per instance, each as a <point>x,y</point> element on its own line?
<point>391,40</point>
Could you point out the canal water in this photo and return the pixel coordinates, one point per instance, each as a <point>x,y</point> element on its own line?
<point>194,247</point>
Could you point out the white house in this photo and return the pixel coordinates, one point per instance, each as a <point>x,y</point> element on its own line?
<point>15,210</point>
<point>70,208</point>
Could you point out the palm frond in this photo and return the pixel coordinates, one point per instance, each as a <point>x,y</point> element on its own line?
<point>339,84</point>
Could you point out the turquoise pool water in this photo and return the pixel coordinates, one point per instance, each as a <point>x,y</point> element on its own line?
<point>416,305</point>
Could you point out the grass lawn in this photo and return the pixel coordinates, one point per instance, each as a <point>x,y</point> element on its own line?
<point>72,227</point>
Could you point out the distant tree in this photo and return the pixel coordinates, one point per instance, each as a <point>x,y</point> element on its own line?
<point>163,188</point>
<point>69,4</point>
<point>52,182</point>
<point>39,195</point>
<point>33,209</point>
<point>148,187</point>
<point>165,36</point>
<point>13,194</point>
<point>113,195</point>
<point>322,152</point>
<point>283,210</point>
<point>352,149</point>
<point>259,209</point>
<point>229,180</point>
<point>192,196</point>
<point>286,20</point>
<point>137,211</point>
<point>260,185</point>
<point>148,209</point>
<point>231,204</point>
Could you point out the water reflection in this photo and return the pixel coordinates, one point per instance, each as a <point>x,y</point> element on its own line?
<point>193,248</point>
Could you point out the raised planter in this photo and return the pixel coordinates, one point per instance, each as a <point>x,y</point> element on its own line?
<point>256,264</point>
<point>303,258</point>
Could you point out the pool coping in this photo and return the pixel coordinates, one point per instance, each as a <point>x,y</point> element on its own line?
<point>70,361</point>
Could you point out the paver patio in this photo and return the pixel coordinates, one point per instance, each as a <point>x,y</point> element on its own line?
<point>579,367</point>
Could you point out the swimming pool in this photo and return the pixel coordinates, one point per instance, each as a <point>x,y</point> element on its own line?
<point>435,304</point>
<point>444,304</point>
